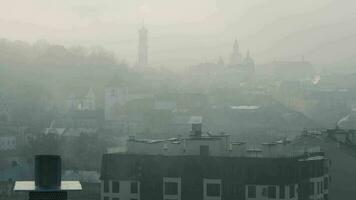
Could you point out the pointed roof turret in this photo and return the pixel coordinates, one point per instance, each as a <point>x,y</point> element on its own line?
<point>248,60</point>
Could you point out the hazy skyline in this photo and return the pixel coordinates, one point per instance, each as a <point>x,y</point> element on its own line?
<point>186,32</point>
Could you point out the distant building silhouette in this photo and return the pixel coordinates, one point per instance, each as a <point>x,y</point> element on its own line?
<point>82,101</point>
<point>248,62</point>
<point>235,57</point>
<point>237,60</point>
<point>142,47</point>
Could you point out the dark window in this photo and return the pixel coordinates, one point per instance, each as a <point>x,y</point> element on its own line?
<point>133,199</point>
<point>213,189</point>
<point>106,186</point>
<point>271,192</point>
<point>204,150</point>
<point>106,198</point>
<point>291,191</point>
<point>115,186</point>
<point>115,198</point>
<point>134,188</point>
<point>326,183</point>
<point>251,191</point>
<point>311,188</point>
<point>282,191</point>
<point>321,187</point>
<point>171,188</point>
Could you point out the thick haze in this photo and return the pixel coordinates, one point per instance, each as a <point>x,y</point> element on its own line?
<point>187,32</point>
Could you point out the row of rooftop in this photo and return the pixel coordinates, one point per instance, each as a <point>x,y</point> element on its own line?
<point>205,144</point>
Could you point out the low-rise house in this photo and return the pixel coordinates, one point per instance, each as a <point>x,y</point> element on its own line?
<point>7,142</point>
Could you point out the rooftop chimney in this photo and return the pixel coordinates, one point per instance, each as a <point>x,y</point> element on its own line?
<point>47,184</point>
<point>196,122</point>
<point>48,169</point>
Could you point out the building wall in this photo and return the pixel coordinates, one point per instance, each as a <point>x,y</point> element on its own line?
<point>233,174</point>
<point>319,191</point>
<point>262,192</point>
<point>124,191</point>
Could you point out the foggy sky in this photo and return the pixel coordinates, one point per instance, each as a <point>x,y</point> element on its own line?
<point>185,32</point>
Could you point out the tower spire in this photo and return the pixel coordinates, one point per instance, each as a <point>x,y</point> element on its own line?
<point>142,59</point>
<point>236,57</point>
<point>236,46</point>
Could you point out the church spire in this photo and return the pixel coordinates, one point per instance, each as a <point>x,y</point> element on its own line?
<point>236,46</point>
<point>236,57</point>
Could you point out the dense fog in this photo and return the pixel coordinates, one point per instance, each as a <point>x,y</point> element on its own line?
<point>207,98</point>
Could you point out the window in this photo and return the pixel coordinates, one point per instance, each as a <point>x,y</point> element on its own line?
<point>171,188</point>
<point>213,189</point>
<point>291,191</point>
<point>106,186</point>
<point>271,192</point>
<point>134,187</point>
<point>115,186</point>
<point>282,191</point>
<point>318,187</point>
<point>321,187</point>
<point>106,198</point>
<point>251,191</point>
<point>115,198</point>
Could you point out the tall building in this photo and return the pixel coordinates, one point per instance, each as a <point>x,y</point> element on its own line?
<point>235,57</point>
<point>142,47</point>
<point>211,167</point>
